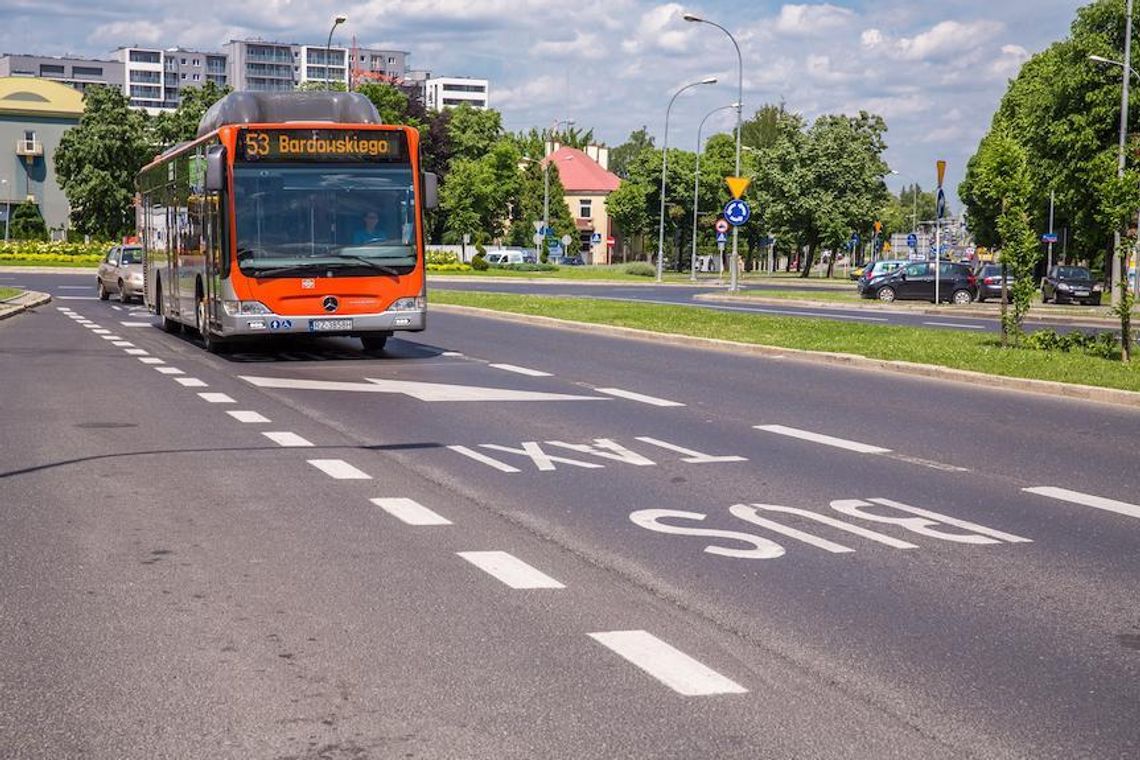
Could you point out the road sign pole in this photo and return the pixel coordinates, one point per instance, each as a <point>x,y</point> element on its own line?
<point>1049,265</point>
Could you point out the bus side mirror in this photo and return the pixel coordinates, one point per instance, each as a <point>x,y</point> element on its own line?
<point>216,168</point>
<point>430,183</point>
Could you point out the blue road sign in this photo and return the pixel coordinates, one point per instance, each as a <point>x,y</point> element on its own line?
<point>941,205</point>
<point>912,240</point>
<point>595,238</point>
<point>1049,237</point>
<point>737,212</point>
<point>555,249</point>
<point>855,239</point>
<point>722,237</point>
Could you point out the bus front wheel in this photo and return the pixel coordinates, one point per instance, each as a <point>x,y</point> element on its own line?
<point>168,324</point>
<point>210,342</point>
<point>374,343</point>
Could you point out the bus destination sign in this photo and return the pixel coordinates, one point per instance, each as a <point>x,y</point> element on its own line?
<point>322,145</point>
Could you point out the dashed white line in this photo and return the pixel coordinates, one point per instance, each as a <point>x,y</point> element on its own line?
<point>75,287</point>
<point>451,353</point>
<point>78,298</point>
<point>101,331</point>
<point>669,665</point>
<point>339,469</point>
<point>410,512</point>
<point>521,370</point>
<point>510,570</point>
<point>169,370</point>
<point>136,351</point>
<point>1088,500</point>
<point>122,343</point>
<point>191,382</point>
<point>640,397</point>
<point>110,337</point>
<point>151,360</point>
<point>216,398</point>
<point>116,308</point>
<point>826,440</point>
<point>483,458</point>
<point>955,324</point>
<point>247,416</point>
<point>289,440</point>
<point>135,324</point>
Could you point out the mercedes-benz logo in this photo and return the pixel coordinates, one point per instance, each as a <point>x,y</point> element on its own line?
<point>330,303</point>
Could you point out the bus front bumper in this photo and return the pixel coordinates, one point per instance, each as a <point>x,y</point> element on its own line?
<point>322,324</point>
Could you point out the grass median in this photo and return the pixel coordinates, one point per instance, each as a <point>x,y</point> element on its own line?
<point>960,350</point>
<point>6,293</point>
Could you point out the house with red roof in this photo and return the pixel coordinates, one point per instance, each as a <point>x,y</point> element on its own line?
<point>588,183</point>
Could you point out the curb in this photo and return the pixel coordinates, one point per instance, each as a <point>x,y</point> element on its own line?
<point>912,369</point>
<point>48,270</point>
<point>21,303</point>
<point>925,310</point>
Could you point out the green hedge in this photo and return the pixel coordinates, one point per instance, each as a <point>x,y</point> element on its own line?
<point>28,250</point>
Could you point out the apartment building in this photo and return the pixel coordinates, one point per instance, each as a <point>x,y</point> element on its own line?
<point>262,66</point>
<point>448,92</point>
<point>79,73</point>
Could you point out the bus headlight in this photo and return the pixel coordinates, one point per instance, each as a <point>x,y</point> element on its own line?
<point>245,308</point>
<point>409,304</point>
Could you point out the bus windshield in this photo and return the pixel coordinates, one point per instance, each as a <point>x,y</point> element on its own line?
<point>324,220</point>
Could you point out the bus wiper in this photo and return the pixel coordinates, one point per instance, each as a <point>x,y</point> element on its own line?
<point>291,269</point>
<point>369,263</point>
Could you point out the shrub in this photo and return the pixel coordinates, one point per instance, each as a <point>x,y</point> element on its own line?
<point>479,263</point>
<point>1043,340</point>
<point>439,258</point>
<point>529,267</point>
<point>27,223</point>
<point>454,266</point>
<point>1105,345</point>
<point>641,269</point>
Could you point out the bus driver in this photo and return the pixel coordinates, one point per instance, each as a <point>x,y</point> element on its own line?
<point>370,232</point>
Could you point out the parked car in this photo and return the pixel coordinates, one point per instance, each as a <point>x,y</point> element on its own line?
<point>915,281</point>
<point>567,261</point>
<point>989,282</point>
<point>875,269</point>
<point>121,272</point>
<point>1066,284</point>
<point>510,256</point>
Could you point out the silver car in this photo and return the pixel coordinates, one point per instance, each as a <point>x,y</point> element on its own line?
<point>121,272</point>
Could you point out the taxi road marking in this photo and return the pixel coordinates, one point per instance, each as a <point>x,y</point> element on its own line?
<point>510,570</point>
<point>669,665</point>
<point>1088,500</point>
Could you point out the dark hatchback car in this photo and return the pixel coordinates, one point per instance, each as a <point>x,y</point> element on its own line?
<point>915,282</point>
<point>1066,284</point>
<point>989,282</point>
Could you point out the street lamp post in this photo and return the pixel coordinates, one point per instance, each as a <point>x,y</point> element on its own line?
<point>664,165</point>
<point>696,189</point>
<point>337,21</point>
<point>546,181</point>
<point>739,108</point>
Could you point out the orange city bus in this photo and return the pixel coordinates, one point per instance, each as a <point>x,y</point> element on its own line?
<point>290,213</point>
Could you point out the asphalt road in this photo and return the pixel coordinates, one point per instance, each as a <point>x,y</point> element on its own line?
<point>501,541</point>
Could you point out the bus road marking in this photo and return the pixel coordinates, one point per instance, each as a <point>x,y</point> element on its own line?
<point>216,398</point>
<point>510,570</point>
<point>169,370</point>
<point>639,397</point>
<point>339,469</point>
<point>484,459</point>
<point>191,382</point>
<point>287,439</point>
<point>667,664</point>
<point>247,416</point>
<point>410,512</point>
<point>521,370</point>
<point>826,440</point>
<point>1088,500</point>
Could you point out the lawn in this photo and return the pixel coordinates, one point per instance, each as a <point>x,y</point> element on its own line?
<point>6,293</point>
<point>960,350</point>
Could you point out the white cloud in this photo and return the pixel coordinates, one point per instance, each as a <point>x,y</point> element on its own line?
<point>946,39</point>
<point>813,20</point>
<point>583,46</point>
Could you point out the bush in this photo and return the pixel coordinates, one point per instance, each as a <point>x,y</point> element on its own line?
<point>479,263</point>
<point>641,269</point>
<point>1105,345</point>
<point>27,223</point>
<point>452,267</point>
<point>440,258</point>
<point>529,267</point>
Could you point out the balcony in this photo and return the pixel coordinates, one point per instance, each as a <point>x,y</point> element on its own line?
<point>31,147</point>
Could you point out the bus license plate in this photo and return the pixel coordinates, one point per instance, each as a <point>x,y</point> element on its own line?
<point>329,325</point>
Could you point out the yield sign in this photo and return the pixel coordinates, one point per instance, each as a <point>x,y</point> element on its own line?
<point>737,185</point>
<point>417,390</point>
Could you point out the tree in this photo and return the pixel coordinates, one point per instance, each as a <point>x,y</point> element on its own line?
<point>624,154</point>
<point>473,131</point>
<point>97,161</point>
<point>626,207</point>
<point>763,129</point>
<point>392,103</point>
<point>1120,198</point>
<point>182,124</point>
<point>27,223</point>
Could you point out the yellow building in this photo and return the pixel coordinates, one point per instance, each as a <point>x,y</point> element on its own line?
<point>587,184</point>
<point>34,114</point>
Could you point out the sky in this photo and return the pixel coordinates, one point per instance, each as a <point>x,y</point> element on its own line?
<point>935,70</point>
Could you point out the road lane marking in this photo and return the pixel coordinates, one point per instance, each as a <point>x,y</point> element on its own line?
<point>116,308</point>
<point>287,439</point>
<point>110,337</point>
<point>191,382</point>
<point>78,298</point>
<point>244,415</point>
<point>136,324</point>
<point>691,456</point>
<point>630,395</point>
<point>216,398</point>
<point>955,324</point>
<point>669,665</point>
<point>169,370</point>
<point>151,360</point>
<point>451,353</point>
<point>417,390</point>
<point>136,351</point>
<point>521,370</point>
<point>510,570</point>
<point>74,287</point>
<point>101,331</point>
<point>826,440</point>
<point>339,469</point>
<point>410,512</point>
<point>122,343</point>
<point>484,459</point>
<point>1088,500</point>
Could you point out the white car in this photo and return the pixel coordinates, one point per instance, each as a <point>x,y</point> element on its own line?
<point>121,272</point>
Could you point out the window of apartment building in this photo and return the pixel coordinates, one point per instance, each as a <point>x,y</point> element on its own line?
<point>391,59</point>
<point>50,70</point>
<point>183,61</point>
<point>584,241</point>
<point>197,77</point>
<point>86,71</point>
<point>29,136</point>
<point>584,210</point>
<point>145,56</point>
<point>198,62</point>
<point>183,74</point>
